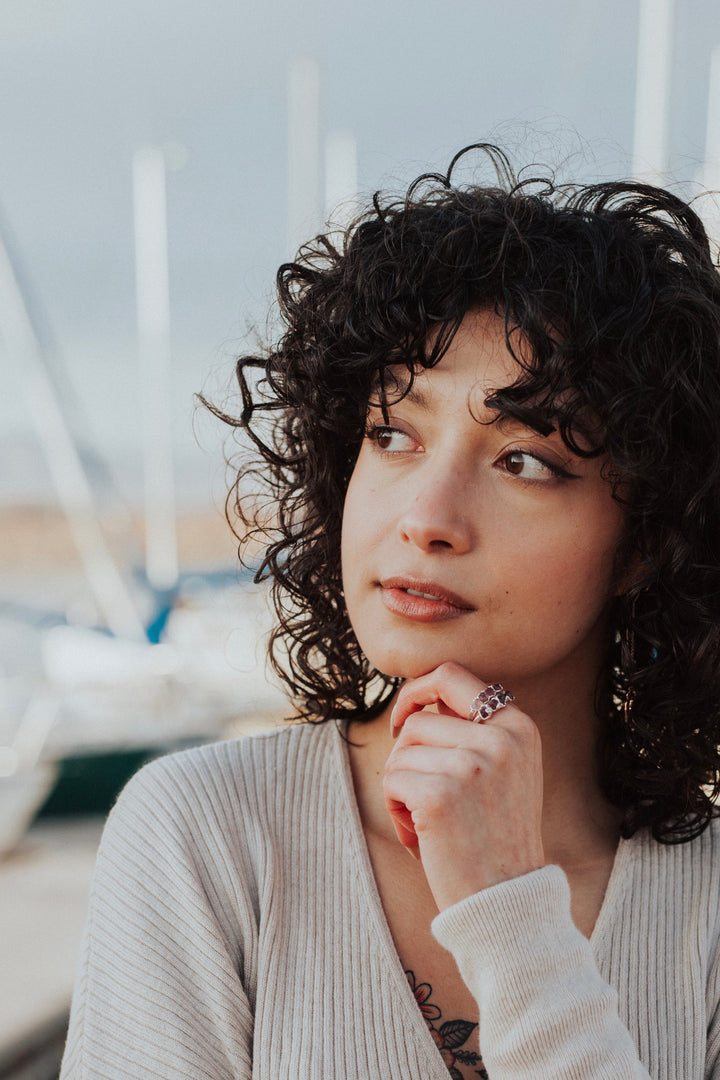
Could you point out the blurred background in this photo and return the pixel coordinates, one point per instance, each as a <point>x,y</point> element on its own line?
<point>157,163</point>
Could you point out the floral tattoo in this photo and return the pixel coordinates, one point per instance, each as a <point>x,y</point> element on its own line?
<point>448,1037</point>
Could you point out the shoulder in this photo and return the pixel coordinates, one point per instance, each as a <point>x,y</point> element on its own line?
<point>703,850</point>
<point>211,786</point>
<point>685,876</point>
<point>237,764</point>
<point>217,813</point>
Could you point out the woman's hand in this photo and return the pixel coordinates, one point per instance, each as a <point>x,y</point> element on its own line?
<point>467,798</point>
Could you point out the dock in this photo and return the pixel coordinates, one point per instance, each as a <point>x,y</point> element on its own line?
<point>44,887</point>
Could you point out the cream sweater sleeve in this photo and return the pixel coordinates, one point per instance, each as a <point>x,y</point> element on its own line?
<point>712,1000</point>
<point>158,993</point>
<point>546,1013</point>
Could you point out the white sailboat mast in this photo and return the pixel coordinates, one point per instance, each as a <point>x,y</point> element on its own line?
<point>153,318</point>
<point>709,206</point>
<point>304,166</point>
<point>341,176</point>
<point>653,89</point>
<point>712,130</point>
<point>64,462</point>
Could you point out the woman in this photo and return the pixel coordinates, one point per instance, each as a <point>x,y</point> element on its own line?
<point>489,435</point>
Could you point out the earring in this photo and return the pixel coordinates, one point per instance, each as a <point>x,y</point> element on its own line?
<point>629,651</point>
<point>622,696</point>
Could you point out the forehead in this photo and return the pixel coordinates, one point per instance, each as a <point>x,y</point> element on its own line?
<point>478,355</point>
<point>476,364</point>
<point>479,369</point>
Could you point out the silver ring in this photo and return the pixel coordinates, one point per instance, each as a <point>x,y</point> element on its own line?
<point>489,701</point>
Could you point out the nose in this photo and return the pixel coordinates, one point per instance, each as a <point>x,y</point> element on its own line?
<point>436,516</point>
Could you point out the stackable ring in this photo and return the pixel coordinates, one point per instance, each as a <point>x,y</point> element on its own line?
<point>489,701</point>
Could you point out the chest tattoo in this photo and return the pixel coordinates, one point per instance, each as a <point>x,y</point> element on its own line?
<point>449,1036</point>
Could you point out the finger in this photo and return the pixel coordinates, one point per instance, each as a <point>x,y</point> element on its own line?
<point>451,688</point>
<point>430,729</point>
<point>397,795</point>
<point>415,800</point>
<point>449,685</point>
<point>405,793</point>
<point>402,823</point>
<point>437,760</point>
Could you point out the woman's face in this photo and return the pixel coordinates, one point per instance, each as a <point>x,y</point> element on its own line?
<point>489,545</point>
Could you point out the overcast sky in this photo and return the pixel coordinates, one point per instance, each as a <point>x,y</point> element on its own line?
<point>84,82</point>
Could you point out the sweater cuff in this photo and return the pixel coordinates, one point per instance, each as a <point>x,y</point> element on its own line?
<point>545,1010</point>
<point>531,912</point>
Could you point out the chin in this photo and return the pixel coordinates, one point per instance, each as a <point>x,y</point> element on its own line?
<point>410,667</point>
<point>395,667</point>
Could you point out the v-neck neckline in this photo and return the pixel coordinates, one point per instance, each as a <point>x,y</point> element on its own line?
<point>369,885</point>
<point>615,889</point>
<point>599,939</point>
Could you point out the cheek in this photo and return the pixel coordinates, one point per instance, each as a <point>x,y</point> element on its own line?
<point>564,554</point>
<point>578,578</point>
<point>356,527</point>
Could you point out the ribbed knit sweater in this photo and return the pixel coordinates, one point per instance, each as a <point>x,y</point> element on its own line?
<point>235,930</point>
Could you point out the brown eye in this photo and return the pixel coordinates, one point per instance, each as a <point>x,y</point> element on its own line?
<point>528,466</point>
<point>515,462</point>
<point>390,439</point>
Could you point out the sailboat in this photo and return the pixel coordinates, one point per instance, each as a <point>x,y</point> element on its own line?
<point>170,658</point>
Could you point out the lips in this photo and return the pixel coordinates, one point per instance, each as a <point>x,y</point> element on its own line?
<point>422,600</point>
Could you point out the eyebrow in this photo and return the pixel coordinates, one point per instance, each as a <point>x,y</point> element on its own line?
<point>506,419</point>
<point>406,392</point>
<point>503,418</point>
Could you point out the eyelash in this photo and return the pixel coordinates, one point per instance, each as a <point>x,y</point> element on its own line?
<point>557,471</point>
<point>375,430</point>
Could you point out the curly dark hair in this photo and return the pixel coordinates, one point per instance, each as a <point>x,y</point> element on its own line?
<point>611,305</point>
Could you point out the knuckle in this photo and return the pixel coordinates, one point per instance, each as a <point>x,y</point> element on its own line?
<point>500,748</point>
<point>527,731</point>
<point>438,798</point>
<point>397,760</point>
<point>405,691</point>
<point>449,669</point>
<point>409,730</point>
<point>505,753</point>
<point>468,765</point>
